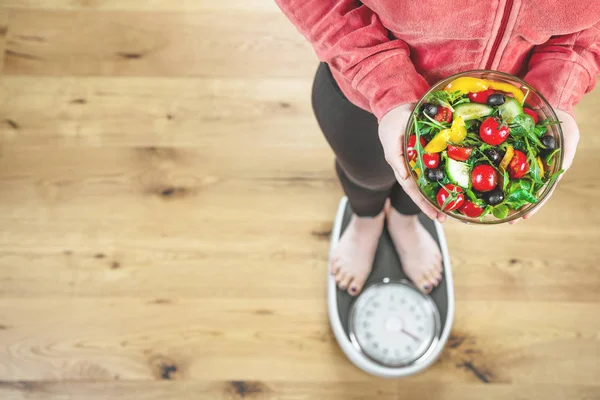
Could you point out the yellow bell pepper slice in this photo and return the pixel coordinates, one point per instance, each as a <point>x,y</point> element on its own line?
<point>417,170</point>
<point>465,85</point>
<point>439,141</point>
<point>541,164</point>
<point>455,134</point>
<point>510,152</point>
<point>508,88</point>
<point>458,131</point>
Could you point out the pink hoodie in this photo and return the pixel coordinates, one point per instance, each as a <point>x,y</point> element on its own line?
<point>384,53</point>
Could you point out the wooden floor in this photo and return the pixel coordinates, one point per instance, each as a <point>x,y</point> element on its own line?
<point>165,202</point>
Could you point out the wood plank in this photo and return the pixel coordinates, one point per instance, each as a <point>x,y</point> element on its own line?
<point>261,339</point>
<point>165,210</point>
<point>145,5</point>
<point>239,113</point>
<point>277,390</point>
<point>3,34</point>
<point>151,44</point>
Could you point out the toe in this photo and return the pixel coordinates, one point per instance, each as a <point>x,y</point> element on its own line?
<point>355,286</point>
<point>344,282</point>
<point>335,266</point>
<point>339,276</point>
<point>424,286</point>
<point>433,277</point>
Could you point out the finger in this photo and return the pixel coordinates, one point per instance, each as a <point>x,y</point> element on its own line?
<point>514,222</point>
<point>399,166</point>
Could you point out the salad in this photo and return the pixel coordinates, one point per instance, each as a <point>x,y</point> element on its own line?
<point>478,148</point>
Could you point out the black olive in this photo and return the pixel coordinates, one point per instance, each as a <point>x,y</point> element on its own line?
<point>494,155</point>
<point>550,143</point>
<point>494,197</point>
<point>496,99</point>
<point>435,174</point>
<point>430,110</point>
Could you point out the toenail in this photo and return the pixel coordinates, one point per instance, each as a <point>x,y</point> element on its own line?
<point>426,287</point>
<point>353,289</point>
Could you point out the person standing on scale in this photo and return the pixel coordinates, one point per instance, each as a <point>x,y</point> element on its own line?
<point>380,56</point>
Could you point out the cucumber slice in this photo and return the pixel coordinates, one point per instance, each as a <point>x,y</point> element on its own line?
<point>510,109</point>
<point>458,172</point>
<point>470,111</point>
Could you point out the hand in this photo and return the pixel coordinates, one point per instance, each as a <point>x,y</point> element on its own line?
<point>391,134</point>
<point>571,139</point>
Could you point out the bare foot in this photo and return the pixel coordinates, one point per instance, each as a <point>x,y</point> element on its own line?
<point>352,260</point>
<point>420,254</point>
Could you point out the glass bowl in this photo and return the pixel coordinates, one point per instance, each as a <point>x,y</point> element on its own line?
<point>533,100</point>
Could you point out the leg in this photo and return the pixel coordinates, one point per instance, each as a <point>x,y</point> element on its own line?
<point>364,174</point>
<point>420,255</point>
<point>352,133</point>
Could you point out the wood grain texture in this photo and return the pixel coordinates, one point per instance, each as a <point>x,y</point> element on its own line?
<point>166,199</point>
<point>154,44</point>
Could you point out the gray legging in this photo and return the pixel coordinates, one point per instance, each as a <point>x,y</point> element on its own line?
<point>366,177</point>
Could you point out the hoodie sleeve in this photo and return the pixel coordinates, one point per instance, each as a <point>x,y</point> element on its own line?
<point>352,40</point>
<point>565,67</point>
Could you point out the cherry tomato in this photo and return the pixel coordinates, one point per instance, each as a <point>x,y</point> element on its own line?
<point>480,97</point>
<point>411,152</point>
<point>431,160</point>
<point>492,133</point>
<point>471,209</point>
<point>518,166</point>
<point>484,178</point>
<point>444,193</point>
<point>444,115</point>
<point>532,114</point>
<point>459,153</point>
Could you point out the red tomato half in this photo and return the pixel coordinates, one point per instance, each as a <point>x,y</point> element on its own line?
<point>492,133</point>
<point>518,166</point>
<point>532,114</point>
<point>431,160</point>
<point>484,178</point>
<point>444,193</point>
<point>459,153</point>
<point>480,97</point>
<point>471,209</point>
<point>444,115</point>
<point>411,152</point>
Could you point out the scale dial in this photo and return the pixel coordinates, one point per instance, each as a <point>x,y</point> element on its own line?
<point>394,324</point>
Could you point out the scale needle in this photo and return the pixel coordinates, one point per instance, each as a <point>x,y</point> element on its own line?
<point>410,334</point>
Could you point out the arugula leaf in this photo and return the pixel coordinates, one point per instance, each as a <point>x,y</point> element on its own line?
<point>548,122</point>
<point>505,180</point>
<point>519,184</point>
<point>500,211</point>
<point>540,130</point>
<point>548,158</point>
<point>523,126</point>
<point>431,189</point>
<point>516,204</point>
<point>447,99</point>
<point>422,181</point>
<point>471,195</point>
<point>522,195</point>
<point>486,211</point>
<point>534,167</point>
<point>555,176</point>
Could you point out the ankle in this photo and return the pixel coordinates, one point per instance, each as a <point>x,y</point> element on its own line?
<point>368,223</point>
<point>403,219</point>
